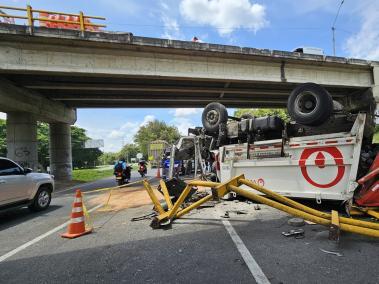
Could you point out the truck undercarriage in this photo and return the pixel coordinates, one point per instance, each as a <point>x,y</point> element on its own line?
<point>317,123</point>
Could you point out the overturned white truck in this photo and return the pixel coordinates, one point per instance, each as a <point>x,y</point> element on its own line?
<point>320,153</point>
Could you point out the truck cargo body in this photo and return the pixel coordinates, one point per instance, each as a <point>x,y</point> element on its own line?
<point>319,166</point>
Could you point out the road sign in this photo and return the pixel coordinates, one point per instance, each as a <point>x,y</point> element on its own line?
<point>139,156</point>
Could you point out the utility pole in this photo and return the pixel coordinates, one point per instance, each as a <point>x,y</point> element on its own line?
<point>334,40</point>
<point>334,28</point>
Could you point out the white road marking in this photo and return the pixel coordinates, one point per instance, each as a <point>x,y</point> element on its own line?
<point>253,266</point>
<point>41,237</point>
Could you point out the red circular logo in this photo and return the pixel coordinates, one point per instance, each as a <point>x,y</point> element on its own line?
<point>320,162</point>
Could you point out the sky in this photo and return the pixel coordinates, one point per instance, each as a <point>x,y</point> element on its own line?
<point>272,24</point>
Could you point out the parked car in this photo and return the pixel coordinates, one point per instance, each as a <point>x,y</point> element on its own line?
<point>20,186</point>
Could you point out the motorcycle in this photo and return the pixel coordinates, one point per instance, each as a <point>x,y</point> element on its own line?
<point>123,176</point>
<point>142,170</point>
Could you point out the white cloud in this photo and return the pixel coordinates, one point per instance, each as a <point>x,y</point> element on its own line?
<point>171,28</point>
<point>225,15</point>
<point>182,123</point>
<point>365,43</point>
<point>115,138</point>
<point>183,112</point>
<point>114,134</point>
<point>148,118</point>
<point>3,115</point>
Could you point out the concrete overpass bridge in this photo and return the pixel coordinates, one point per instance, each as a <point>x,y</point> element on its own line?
<point>48,74</point>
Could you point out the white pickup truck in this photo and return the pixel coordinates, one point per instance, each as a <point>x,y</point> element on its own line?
<point>20,186</point>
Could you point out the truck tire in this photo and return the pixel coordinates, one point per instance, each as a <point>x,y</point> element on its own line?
<point>41,200</point>
<point>310,104</point>
<point>213,115</point>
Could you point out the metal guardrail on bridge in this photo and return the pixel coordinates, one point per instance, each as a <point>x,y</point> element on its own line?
<point>54,19</point>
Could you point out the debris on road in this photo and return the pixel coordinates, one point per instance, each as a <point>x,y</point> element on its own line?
<point>226,215</point>
<point>296,222</point>
<point>298,234</point>
<point>332,252</point>
<point>281,203</point>
<point>144,217</point>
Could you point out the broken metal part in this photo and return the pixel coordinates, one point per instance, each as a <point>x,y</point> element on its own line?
<point>298,233</point>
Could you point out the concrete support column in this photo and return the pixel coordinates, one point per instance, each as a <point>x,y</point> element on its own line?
<point>375,87</point>
<point>60,151</point>
<point>22,139</point>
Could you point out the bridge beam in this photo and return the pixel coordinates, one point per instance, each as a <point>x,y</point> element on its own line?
<point>18,99</point>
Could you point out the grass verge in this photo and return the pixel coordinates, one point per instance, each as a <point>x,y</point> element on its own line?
<point>376,137</point>
<point>86,175</point>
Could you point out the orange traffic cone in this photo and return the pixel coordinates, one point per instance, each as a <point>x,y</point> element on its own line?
<point>77,226</point>
<point>158,172</point>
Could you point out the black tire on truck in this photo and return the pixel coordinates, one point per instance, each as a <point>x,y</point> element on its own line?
<point>310,104</point>
<point>42,199</point>
<point>213,115</point>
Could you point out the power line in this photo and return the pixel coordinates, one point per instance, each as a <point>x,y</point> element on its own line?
<point>334,27</point>
<point>219,28</point>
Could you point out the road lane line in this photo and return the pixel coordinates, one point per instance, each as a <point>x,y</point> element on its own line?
<point>41,237</point>
<point>253,266</point>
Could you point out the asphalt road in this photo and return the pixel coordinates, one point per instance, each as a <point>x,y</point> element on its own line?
<point>196,249</point>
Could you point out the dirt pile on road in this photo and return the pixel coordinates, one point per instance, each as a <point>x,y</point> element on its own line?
<point>128,197</point>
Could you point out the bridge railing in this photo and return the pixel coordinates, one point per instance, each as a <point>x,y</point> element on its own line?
<point>51,19</point>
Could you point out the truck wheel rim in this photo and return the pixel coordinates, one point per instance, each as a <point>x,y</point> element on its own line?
<point>43,199</point>
<point>212,116</point>
<point>306,103</point>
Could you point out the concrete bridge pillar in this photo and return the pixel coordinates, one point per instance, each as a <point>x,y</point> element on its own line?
<point>22,139</point>
<point>60,151</point>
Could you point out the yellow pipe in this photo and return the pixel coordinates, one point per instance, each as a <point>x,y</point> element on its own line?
<point>153,198</point>
<point>290,202</point>
<point>179,202</point>
<point>193,206</point>
<point>203,183</point>
<point>302,214</point>
<point>12,16</point>
<point>81,20</point>
<point>166,194</point>
<point>29,12</point>
<point>12,8</point>
<point>373,213</point>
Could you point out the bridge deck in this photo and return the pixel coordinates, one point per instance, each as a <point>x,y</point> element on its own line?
<point>106,69</point>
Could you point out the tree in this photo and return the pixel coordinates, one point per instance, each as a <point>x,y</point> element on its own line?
<point>43,144</point>
<point>78,137</point>
<point>129,151</point>
<point>3,138</point>
<point>82,157</point>
<point>108,158</point>
<point>155,130</point>
<point>259,112</point>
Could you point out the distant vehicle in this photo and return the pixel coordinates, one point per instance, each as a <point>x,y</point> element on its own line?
<point>122,172</point>
<point>309,50</point>
<point>20,186</point>
<point>142,169</point>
